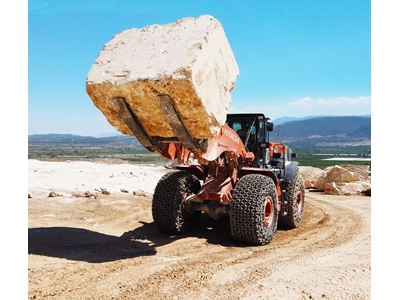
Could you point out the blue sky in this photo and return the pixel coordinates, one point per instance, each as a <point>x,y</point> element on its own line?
<point>296,58</point>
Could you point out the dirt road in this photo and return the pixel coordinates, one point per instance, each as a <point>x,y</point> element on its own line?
<point>109,248</point>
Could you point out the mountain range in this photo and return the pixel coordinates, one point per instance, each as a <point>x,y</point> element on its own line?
<point>331,131</point>
<point>335,131</point>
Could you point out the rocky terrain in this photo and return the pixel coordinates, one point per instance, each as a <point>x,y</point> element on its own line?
<point>104,245</point>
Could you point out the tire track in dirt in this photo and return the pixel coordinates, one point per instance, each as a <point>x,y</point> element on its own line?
<point>246,269</point>
<point>325,271</point>
<point>327,257</point>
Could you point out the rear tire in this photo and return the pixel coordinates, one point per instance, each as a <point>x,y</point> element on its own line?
<point>295,192</point>
<point>167,205</point>
<point>254,210</point>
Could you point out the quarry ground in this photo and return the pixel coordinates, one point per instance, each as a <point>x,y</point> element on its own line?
<point>107,247</point>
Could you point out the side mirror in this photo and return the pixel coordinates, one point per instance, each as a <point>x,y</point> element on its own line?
<point>270,126</point>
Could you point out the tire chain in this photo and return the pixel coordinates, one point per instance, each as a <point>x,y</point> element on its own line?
<point>167,199</point>
<point>294,215</point>
<point>247,210</point>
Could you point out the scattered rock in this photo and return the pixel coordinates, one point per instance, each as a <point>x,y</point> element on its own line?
<point>88,194</point>
<point>124,191</point>
<point>54,194</point>
<point>104,191</point>
<point>85,194</point>
<point>29,196</point>
<point>141,193</point>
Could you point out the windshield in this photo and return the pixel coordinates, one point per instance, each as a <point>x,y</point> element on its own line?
<point>242,125</point>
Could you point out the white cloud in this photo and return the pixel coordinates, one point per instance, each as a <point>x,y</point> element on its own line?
<point>331,106</point>
<point>304,107</point>
<point>268,110</point>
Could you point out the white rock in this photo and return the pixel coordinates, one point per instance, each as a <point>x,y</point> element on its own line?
<point>347,188</point>
<point>344,180</point>
<point>310,175</point>
<point>336,174</point>
<point>190,60</point>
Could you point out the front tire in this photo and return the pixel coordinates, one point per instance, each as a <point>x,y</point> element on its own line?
<point>167,205</point>
<point>254,210</point>
<point>295,192</point>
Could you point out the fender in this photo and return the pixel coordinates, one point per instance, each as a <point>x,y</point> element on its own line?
<point>193,169</point>
<point>290,170</point>
<point>251,170</point>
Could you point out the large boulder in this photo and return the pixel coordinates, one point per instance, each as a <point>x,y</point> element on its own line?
<point>310,175</point>
<point>344,180</point>
<point>336,174</point>
<point>189,60</point>
<point>362,171</point>
<point>348,188</point>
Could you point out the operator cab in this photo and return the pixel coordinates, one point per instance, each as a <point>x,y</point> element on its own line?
<point>253,130</point>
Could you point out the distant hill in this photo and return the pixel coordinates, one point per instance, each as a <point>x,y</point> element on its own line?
<point>325,131</point>
<point>305,132</point>
<point>282,120</point>
<point>71,140</point>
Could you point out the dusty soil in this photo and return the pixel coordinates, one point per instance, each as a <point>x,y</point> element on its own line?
<point>107,246</point>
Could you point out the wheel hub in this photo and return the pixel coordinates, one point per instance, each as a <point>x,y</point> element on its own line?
<point>268,211</point>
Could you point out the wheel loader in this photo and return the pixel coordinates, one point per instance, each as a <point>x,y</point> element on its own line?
<point>169,85</point>
<point>238,174</point>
